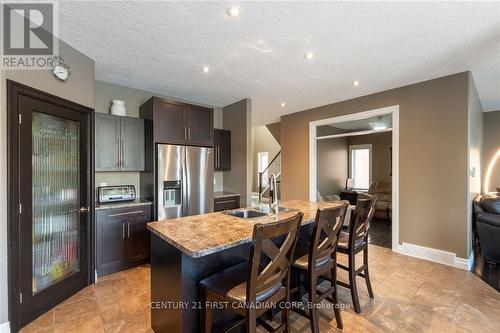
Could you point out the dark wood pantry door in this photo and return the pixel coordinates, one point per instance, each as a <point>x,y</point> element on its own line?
<point>50,210</point>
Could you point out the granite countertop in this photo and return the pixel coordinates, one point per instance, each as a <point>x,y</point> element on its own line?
<point>122,204</point>
<point>223,194</point>
<point>201,235</point>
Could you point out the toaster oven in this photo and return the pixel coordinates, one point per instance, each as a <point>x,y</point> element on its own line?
<point>116,193</point>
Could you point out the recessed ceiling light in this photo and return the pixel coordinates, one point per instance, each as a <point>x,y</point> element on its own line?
<point>309,55</point>
<point>355,83</point>
<point>283,104</point>
<point>233,11</point>
<point>205,69</point>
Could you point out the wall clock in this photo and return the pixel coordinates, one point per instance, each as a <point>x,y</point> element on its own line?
<point>60,69</point>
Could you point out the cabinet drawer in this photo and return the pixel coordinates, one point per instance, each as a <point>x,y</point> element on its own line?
<point>130,214</point>
<point>226,203</point>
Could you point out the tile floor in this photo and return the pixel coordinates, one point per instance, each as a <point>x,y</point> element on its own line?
<point>411,295</point>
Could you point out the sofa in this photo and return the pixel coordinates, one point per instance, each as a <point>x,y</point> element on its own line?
<point>383,192</point>
<point>487,225</point>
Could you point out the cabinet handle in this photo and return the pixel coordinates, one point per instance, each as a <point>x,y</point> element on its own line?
<point>128,230</point>
<point>225,201</point>
<point>118,152</point>
<point>123,231</point>
<point>218,156</point>
<point>189,132</point>
<point>123,153</point>
<point>215,157</point>
<point>185,132</point>
<point>128,213</point>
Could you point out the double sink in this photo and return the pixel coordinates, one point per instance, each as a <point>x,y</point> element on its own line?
<point>255,212</point>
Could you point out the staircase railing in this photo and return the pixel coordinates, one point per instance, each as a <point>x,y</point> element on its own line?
<point>274,167</point>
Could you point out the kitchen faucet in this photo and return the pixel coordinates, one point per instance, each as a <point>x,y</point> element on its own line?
<point>273,194</point>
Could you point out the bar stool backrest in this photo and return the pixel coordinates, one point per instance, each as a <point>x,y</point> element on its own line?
<point>363,214</point>
<point>270,263</point>
<point>325,236</point>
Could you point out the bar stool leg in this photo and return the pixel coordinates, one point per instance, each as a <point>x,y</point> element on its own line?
<point>313,314</point>
<point>367,274</point>
<point>336,310</point>
<point>251,321</point>
<point>285,319</point>
<point>352,282</point>
<point>206,314</point>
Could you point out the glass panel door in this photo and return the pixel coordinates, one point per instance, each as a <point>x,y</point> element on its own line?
<point>56,199</point>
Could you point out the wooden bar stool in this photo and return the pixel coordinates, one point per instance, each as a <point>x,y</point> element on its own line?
<point>251,287</point>
<point>354,242</point>
<point>322,258</point>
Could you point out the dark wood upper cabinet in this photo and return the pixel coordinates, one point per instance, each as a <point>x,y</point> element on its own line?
<point>179,123</point>
<point>169,122</point>
<point>222,150</point>
<point>119,143</point>
<point>199,125</point>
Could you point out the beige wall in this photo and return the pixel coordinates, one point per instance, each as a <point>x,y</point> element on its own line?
<point>237,118</point>
<point>262,141</point>
<point>134,98</point>
<point>332,165</point>
<point>381,153</point>
<point>79,88</point>
<point>275,129</point>
<point>476,146</point>
<point>333,160</point>
<point>433,157</point>
<point>491,146</point>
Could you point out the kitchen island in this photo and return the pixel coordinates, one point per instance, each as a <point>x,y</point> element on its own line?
<point>185,250</point>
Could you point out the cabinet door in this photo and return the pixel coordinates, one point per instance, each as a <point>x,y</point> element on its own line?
<point>110,242</point>
<point>137,235</point>
<point>200,126</point>
<point>169,125</point>
<point>107,142</point>
<point>222,146</point>
<point>132,144</point>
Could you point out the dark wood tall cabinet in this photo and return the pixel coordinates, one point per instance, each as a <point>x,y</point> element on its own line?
<point>171,122</point>
<point>222,150</point>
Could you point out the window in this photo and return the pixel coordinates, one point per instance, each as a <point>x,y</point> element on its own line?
<point>263,161</point>
<point>360,166</point>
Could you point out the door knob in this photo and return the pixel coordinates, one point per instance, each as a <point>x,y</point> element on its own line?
<point>84,210</point>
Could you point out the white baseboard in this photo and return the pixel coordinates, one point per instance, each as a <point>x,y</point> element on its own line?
<point>5,327</point>
<point>439,256</point>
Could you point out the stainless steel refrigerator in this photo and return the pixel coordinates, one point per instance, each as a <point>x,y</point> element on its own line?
<point>185,181</point>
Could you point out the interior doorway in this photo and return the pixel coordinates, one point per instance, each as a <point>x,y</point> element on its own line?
<point>355,154</point>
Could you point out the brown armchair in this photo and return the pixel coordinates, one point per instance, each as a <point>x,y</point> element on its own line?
<point>383,192</point>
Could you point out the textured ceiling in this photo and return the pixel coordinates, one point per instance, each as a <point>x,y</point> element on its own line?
<point>162,46</point>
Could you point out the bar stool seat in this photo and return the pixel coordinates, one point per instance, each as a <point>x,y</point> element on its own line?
<point>344,241</point>
<point>232,282</point>
<point>303,262</point>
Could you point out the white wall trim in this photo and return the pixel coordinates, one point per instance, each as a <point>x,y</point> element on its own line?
<point>394,110</point>
<point>343,135</point>
<point>439,256</point>
<point>5,327</point>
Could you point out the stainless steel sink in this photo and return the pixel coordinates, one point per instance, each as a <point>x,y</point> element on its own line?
<point>252,213</point>
<point>246,213</point>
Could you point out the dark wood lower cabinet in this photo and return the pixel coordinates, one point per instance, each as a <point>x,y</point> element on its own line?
<point>122,238</point>
<point>226,203</point>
